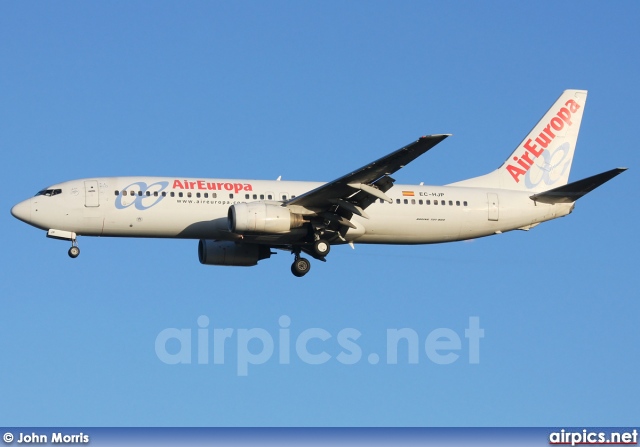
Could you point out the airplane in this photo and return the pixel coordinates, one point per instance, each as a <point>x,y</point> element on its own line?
<point>239,222</point>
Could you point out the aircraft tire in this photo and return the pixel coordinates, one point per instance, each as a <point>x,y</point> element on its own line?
<point>300,267</point>
<point>74,252</point>
<point>322,248</point>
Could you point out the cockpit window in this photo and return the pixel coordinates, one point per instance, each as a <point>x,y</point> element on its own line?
<point>49,192</point>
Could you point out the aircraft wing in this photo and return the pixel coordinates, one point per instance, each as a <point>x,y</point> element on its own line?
<point>357,190</point>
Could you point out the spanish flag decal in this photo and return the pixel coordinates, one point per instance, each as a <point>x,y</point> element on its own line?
<point>408,193</point>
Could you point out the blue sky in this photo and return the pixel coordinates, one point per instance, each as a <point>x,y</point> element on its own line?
<point>309,91</point>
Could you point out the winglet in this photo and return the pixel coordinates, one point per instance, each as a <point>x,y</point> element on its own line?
<point>573,191</point>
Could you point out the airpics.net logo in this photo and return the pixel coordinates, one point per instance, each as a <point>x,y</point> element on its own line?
<point>249,348</point>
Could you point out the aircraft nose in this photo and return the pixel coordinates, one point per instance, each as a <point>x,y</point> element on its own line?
<point>22,211</point>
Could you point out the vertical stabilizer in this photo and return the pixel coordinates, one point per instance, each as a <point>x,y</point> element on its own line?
<point>543,160</point>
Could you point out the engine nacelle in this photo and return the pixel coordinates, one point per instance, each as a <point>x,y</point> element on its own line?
<point>261,217</point>
<point>231,253</point>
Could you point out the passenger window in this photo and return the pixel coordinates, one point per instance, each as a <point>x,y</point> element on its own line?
<point>435,202</point>
<point>413,201</point>
<point>140,193</point>
<point>148,193</point>
<point>206,195</point>
<point>270,197</point>
<point>214,195</point>
<point>117,192</point>
<point>457,203</point>
<point>464,203</point>
<point>189,194</point>
<point>198,195</point>
<point>443,202</point>
<point>284,197</point>
<point>255,197</point>
<point>164,194</point>
<point>173,194</point>
<point>261,196</point>
<point>428,202</point>
<point>381,200</point>
<point>247,196</point>
<point>231,196</point>
<point>398,201</point>
<point>420,202</point>
<point>450,202</point>
<point>406,201</point>
<point>179,194</point>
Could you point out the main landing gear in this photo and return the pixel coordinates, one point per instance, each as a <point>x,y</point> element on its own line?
<point>301,266</point>
<point>321,247</point>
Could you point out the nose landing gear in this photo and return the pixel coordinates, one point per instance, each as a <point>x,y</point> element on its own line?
<point>62,235</point>
<point>74,251</point>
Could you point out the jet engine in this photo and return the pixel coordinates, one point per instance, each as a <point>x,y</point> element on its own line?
<point>260,217</point>
<point>231,253</point>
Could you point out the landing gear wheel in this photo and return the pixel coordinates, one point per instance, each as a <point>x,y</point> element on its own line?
<point>321,247</point>
<point>74,252</point>
<point>300,267</point>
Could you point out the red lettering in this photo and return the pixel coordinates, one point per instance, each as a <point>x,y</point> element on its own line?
<point>211,186</point>
<point>526,158</point>
<point>557,123</point>
<point>515,172</point>
<point>565,115</point>
<point>543,140</point>
<point>547,130</point>
<point>522,163</point>
<point>532,148</point>
<point>573,106</point>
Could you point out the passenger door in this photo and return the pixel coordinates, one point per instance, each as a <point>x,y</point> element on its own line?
<point>91,193</point>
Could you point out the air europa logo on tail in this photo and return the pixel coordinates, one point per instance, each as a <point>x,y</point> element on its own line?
<point>212,186</point>
<point>557,123</point>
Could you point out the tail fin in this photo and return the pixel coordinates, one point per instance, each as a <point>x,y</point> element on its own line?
<point>543,159</point>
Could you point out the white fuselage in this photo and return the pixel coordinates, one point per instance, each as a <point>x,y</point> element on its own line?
<point>167,207</point>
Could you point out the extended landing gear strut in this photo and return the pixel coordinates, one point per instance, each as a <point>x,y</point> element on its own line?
<point>300,266</point>
<point>74,251</point>
<point>62,235</point>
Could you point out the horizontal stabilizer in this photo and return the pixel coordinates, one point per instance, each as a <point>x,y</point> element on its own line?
<point>573,191</point>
